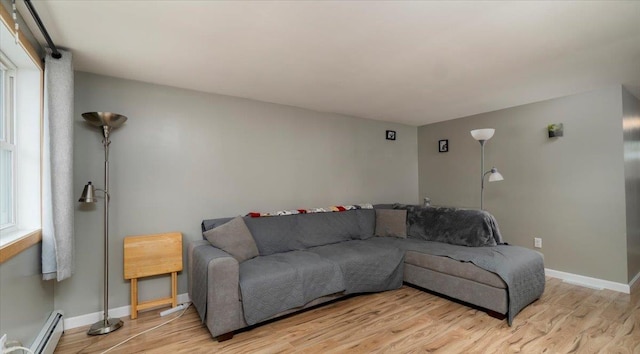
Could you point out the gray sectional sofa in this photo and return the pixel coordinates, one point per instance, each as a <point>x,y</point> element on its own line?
<point>266,267</point>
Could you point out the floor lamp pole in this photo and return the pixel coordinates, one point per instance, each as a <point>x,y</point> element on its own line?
<point>106,325</point>
<point>106,143</point>
<point>106,121</point>
<point>482,174</point>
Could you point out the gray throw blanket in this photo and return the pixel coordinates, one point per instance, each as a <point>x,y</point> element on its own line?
<point>283,281</point>
<point>465,227</point>
<point>202,255</point>
<point>280,282</point>
<point>520,268</point>
<point>366,267</point>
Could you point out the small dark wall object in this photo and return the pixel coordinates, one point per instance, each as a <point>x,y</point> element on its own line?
<point>443,145</point>
<point>555,130</point>
<point>391,135</point>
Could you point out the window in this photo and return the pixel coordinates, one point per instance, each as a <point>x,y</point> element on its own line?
<point>7,145</point>
<point>21,83</point>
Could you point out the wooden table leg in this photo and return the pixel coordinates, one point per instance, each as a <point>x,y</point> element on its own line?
<point>134,298</point>
<point>174,288</point>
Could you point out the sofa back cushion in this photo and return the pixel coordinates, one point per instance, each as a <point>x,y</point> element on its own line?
<point>213,223</point>
<point>274,234</point>
<point>366,222</point>
<point>277,234</point>
<point>464,227</point>
<point>320,229</point>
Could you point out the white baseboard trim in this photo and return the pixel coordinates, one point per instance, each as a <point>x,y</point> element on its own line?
<point>634,280</point>
<point>588,282</point>
<point>581,280</point>
<point>91,318</point>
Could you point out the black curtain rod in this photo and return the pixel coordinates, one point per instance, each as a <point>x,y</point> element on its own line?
<point>55,53</point>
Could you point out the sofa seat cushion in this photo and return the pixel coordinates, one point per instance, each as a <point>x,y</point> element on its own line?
<point>279,282</point>
<point>417,256</point>
<point>455,268</point>
<point>521,269</point>
<point>366,267</point>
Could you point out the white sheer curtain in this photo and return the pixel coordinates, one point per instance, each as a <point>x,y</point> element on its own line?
<point>58,203</point>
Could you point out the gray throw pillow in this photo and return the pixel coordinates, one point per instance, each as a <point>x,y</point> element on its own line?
<point>391,223</point>
<point>234,238</point>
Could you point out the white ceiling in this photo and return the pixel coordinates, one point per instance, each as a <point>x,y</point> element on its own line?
<point>410,62</point>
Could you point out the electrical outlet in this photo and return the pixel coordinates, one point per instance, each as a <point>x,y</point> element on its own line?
<point>3,340</point>
<point>537,242</point>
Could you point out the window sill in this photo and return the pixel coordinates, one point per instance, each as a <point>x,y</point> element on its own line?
<point>16,242</point>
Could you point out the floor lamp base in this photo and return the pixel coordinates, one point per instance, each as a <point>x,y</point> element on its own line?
<point>104,327</point>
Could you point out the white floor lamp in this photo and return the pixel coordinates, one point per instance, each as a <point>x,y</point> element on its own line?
<point>482,135</point>
<point>106,122</point>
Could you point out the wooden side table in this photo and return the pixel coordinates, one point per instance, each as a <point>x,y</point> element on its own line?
<point>149,255</point>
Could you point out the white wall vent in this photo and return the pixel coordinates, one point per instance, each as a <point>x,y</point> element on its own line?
<point>47,339</point>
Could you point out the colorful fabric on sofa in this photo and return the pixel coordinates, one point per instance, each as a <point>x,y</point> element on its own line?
<point>331,209</point>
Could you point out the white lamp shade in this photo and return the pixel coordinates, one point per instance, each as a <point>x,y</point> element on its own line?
<point>495,176</point>
<point>482,134</point>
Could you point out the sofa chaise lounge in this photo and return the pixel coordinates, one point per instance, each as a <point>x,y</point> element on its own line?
<point>262,268</point>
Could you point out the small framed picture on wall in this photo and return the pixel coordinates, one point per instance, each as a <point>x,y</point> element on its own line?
<point>443,145</point>
<point>391,135</point>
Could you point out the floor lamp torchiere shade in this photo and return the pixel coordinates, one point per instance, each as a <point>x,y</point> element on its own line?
<point>482,135</point>
<point>106,122</point>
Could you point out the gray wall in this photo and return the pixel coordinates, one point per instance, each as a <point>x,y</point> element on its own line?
<point>26,301</point>
<point>184,156</point>
<point>631,131</point>
<point>569,191</point>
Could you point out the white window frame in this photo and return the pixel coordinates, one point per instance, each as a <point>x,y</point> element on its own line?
<point>8,141</point>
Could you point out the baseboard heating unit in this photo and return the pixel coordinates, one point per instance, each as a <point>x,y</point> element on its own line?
<point>47,339</point>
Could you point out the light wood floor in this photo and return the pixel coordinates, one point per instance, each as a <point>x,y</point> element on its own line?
<point>567,319</point>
